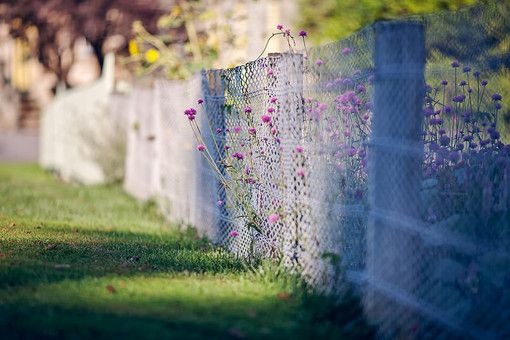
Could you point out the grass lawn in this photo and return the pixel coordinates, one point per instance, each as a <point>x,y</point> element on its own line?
<point>81,262</point>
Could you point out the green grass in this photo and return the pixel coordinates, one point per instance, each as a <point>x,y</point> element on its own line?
<point>81,262</point>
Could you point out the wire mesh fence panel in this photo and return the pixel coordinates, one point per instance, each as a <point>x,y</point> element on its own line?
<point>378,161</point>
<point>352,168</point>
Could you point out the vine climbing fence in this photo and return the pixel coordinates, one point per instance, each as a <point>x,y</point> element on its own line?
<point>377,162</point>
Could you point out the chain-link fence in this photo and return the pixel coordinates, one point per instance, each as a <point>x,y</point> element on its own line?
<point>378,162</point>
<point>382,157</point>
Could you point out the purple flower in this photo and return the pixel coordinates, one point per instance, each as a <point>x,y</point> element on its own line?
<point>273,218</point>
<point>476,74</point>
<point>466,69</point>
<point>455,64</point>
<point>219,203</point>
<point>247,109</point>
<point>200,101</point>
<point>322,106</point>
<point>190,113</point>
<point>428,111</point>
<point>319,62</point>
<point>252,131</point>
<point>496,97</point>
<point>494,134</point>
<point>444,82</point>
<point>484,142</point>
<point>462,83</point>
<point>360,88</point>
<point>273,130</point>
<point>237,129</point>
<point>266,119</point>
<point>218,130</point>
<point>273,100</point>
<point>303,34</point>
<point>299,149</point>
<point>459,98</point>
<point>270,110</point>
<point>269,72</point>
<point>287,32</point>
<point>454,156</point>
<point>346,51</point>
<point>233,233</point>
<point>226,147</point>
<point>200,147</point>
<point>279,27</point>
<point>444,140</point>
<point>300,172</point>
<point>484,82</point>
<point>237,155</point>
<point>352,151</point>
<point>498,106</point>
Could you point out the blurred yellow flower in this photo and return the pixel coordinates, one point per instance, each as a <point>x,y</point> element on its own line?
<point>151,55</point>
<point>133,47</point>
<point>176,11</point>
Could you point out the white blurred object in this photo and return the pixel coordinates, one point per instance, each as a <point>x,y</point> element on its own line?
<point>74,124</point>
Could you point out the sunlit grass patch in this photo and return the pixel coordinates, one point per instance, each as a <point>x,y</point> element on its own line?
<point>82,262</point>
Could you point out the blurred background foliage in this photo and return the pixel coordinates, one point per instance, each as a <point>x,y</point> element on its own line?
<point>329,20</point>
<point>181,45</point>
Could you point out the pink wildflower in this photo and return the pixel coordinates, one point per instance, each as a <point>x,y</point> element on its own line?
<point>266,119</point>
<point>269,72</point>
<point>273,130</point>
<point>219,203</point>
<point>273,100</point>
<point>190,113</point>
<point>200,147</point>
<point>346,51</point>
<point>247,109</point>
<point>233,233</point>
<point>319,62</point>
<point>218,130</point>
<point>300,172</point>
<point>299,149</point>
<point>279,27</point>
<point>237,155</point>
<point>200,101</point>
<point>270,110</point>
<point>273,218</point>
<point>252,131</point>
<point>237,129</point>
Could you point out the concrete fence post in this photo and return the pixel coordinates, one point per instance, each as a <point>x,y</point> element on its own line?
<point>208,188</point>
<point>395,172</point>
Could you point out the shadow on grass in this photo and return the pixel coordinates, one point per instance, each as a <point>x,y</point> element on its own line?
<point>34,256</point>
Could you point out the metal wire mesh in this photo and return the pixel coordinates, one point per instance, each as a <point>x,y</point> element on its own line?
<point>427,242</point>
<point>379,161</point>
